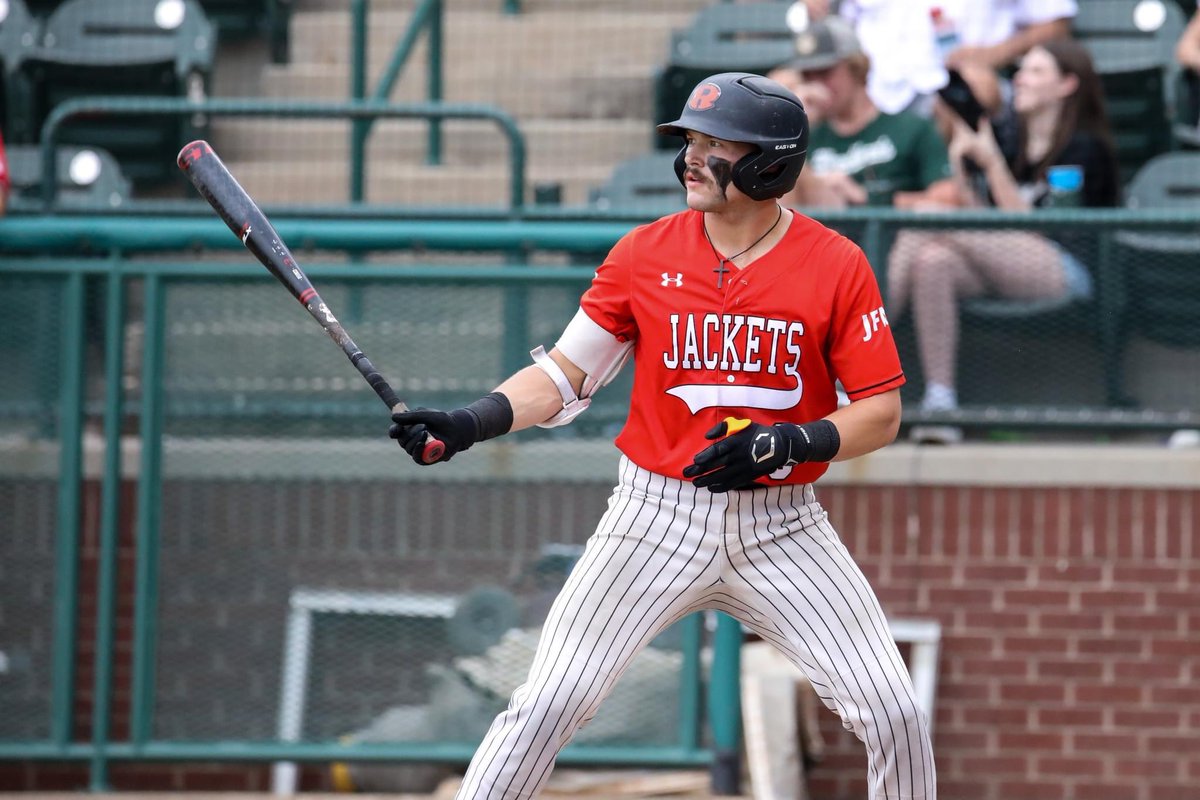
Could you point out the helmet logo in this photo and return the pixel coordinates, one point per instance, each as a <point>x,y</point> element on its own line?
<point>704,97</point>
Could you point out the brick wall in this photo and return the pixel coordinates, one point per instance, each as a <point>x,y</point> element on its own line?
<point>1071,636</point>
<point>1070,613</point>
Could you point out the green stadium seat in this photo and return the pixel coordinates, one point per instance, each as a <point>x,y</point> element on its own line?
<point>1187,126</point>
<point>1136,63</point>
<point>19,33</point>
<point>1031,330</point>
<point>128,48</point>
<point>644,184</point>
<point>239,18</point>
<point>88,179</point>
<point>43,8</point>
<point>725,37</point>
<point>1163,282</point>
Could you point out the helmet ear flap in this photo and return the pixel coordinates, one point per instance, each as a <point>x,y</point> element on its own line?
<point>760,176</point>
<point>681,164</point>
<point>744,176</point>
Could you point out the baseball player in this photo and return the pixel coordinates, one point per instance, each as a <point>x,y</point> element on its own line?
<point>740,315</point>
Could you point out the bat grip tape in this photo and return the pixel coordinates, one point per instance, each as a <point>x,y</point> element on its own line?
<point>377,381</point>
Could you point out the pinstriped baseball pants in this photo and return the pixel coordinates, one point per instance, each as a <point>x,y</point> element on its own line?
<point>664,549</point>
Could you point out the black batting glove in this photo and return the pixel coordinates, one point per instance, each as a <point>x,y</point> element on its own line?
<point>457,430</point>
<point>746,451</point>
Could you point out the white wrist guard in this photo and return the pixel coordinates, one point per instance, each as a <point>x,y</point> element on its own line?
<point>595,351</point>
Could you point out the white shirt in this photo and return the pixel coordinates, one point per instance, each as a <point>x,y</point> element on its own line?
<point>898,36</point>
<point>987,22</point>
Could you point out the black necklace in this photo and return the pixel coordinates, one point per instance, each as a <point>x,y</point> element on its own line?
<point>722,261</point>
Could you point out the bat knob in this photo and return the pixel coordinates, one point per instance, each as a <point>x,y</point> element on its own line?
<point>433,450</point>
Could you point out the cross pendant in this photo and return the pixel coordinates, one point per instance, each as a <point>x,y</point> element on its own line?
<point>721,269</point>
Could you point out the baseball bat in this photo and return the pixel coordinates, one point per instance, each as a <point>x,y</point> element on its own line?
<point>234,205</point>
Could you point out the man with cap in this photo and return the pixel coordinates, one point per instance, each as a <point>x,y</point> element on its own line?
<point>740,315</point>
<point>913,42</point>
<point>858,154</point>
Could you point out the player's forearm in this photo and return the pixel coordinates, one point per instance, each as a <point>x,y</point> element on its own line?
<point>867,425</point>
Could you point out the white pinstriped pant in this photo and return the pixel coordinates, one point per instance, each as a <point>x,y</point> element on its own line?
<point>664,549</point>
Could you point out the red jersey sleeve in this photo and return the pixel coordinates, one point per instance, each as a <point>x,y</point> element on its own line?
<point>607,301</point>
<point>862,352</point>
<point>5,181</point>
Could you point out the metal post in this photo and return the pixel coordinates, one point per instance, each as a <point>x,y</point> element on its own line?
<point>358,91</point>
<point>290,724</point>
<point>689,682</point>
<point>66,569</point>
<point>435,81</point>
<point>725,705</point>
<point>106,582</point>
<point>149,500</point>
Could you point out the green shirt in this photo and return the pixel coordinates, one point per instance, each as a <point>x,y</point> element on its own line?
<point>894,153</point>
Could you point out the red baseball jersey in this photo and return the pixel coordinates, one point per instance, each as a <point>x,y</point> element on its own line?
<point>767,345</point>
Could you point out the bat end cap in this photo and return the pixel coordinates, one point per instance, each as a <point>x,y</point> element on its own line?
<point>432,451</point>
<point>192,152</point>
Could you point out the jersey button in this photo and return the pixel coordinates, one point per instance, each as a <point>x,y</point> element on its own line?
<point>729,378</point>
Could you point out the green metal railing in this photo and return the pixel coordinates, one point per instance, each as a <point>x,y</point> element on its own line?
<point>426,18</point>
<point>119,275</point>
<point>63,244</point>
<point>527,231</point>
<point>355,110</point>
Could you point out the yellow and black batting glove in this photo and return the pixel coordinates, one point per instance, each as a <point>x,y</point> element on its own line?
<point>745,451</point>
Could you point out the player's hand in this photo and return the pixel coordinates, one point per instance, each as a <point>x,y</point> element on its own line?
<point>457,430</point>
<point>744,451</point>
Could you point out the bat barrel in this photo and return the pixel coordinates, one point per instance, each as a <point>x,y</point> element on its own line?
<point>233,204</point>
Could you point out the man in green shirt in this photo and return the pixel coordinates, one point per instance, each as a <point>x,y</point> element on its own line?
<point>857,154</point>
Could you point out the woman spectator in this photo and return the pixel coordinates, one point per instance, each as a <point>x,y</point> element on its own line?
<point>1061,138</point>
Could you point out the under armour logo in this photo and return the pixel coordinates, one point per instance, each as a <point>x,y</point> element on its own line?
<point>756,450</point>
<point>667,280</point>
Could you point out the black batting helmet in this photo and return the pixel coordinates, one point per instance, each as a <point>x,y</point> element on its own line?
<point>741,107</point>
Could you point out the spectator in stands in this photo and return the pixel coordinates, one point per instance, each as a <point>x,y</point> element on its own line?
<point>1187,52</point>
<point>1061,140</point>
<point>911,42</point>
<point>858,154</point>
<point>5,180</point>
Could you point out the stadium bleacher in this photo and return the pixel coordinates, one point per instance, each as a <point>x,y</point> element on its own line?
<point>1134,53</point>
<point>722,37</point>
<point>19,33</point>
<point>131,48</point>
<point>250,18</point>
<point>1164,284</point>
<point>587,125</point>
<point>89,179</point>
<point>644,184</point>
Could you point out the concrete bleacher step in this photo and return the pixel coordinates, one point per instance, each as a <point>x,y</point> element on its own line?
<point>576,74</point>
<point>525,6</point>
<point>549,143</point>
<point>390,183</point>
<point>523,41</point>
<point>584,64</point>
<point>626,93</point>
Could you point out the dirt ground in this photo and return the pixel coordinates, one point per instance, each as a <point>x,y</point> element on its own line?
<point>564,785</point>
